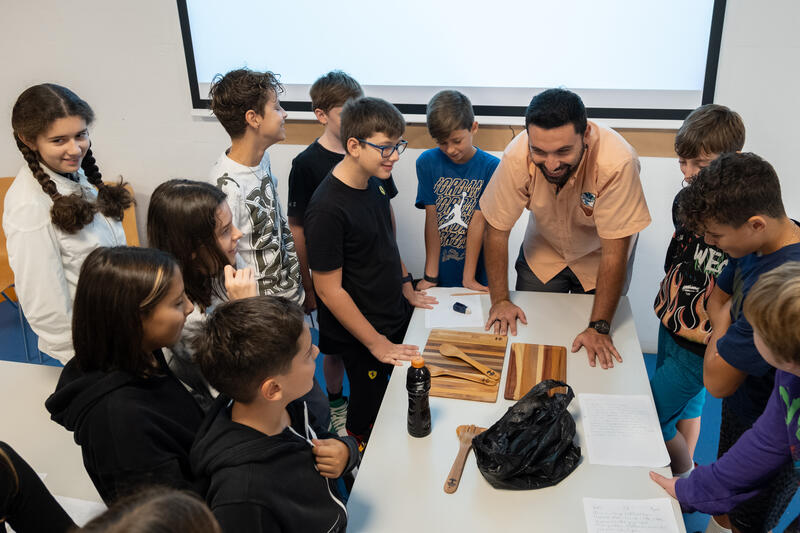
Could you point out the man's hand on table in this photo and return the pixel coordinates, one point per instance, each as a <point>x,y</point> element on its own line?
<point>503,316</point>
<point>597,345</point>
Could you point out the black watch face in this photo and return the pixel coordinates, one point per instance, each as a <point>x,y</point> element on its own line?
<point>601,326</point>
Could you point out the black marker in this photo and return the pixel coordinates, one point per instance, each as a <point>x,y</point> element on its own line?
<point>458,307</point>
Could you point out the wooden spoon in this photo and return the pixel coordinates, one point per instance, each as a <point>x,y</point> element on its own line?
<point>448,350</point>
<point>465,436</point>
<point>479,378</point>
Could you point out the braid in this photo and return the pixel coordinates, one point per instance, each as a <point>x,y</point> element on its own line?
<point>69,213</point>
<point>113,200</point>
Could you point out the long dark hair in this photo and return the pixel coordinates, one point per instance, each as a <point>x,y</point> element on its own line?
<point>117,288</point>
<point>181,220</point>
<point>35,110</point>
<point>155,510</point>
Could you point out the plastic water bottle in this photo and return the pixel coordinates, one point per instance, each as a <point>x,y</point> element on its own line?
<point>418,384</point>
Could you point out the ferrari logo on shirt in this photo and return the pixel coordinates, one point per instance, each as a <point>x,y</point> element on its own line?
<point>372,374</point>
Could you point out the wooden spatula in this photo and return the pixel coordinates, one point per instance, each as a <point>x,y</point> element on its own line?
<point>448,350</point>
<point>465,436</point>
<point>479,378</point>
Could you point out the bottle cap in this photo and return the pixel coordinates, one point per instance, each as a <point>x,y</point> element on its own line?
<point>418,362</point>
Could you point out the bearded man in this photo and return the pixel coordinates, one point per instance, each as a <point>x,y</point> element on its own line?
<point>580,181</point>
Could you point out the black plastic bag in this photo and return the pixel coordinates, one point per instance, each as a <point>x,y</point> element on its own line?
<point>531,446</point>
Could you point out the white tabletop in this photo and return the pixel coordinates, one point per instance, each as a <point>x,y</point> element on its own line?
<point>26,426</point>
<point>400,483</point>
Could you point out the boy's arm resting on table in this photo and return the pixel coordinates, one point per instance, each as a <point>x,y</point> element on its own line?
<point>432,248</point>
<point>329,288</point>
<point>416,298</point>
<point>475,231</point>
<point>720,378</point>
<point>298,233</point>
<point>610,279</point>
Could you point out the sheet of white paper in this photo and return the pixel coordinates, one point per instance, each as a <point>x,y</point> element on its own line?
<point>443,316</point>
<point>81,511</point>
<point>629,516</point>
<point>622,430</point>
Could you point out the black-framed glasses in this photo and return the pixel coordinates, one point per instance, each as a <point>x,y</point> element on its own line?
<point>387,151</point>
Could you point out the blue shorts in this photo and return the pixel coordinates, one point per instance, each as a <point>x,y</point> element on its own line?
<point>677,384</point>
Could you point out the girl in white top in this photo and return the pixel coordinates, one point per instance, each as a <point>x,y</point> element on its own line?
<point>57,210</point>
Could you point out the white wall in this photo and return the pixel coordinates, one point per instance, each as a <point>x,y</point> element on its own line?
<point>126,59</point>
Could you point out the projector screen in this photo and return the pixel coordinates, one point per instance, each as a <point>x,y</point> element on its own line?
<point>640,59</point>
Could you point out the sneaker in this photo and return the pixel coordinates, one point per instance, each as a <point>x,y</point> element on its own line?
<point>339,416</point>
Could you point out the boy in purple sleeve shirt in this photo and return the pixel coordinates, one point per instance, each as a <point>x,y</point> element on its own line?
<point>772,308</point>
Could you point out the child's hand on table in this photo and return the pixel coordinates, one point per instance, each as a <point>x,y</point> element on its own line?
<point>331,456</point>
<point>668,484</point>
<point>473,285</point>
<point>418,298</point>
<point>388,352</point>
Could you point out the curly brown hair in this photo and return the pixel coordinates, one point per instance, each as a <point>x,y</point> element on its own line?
<point>34,111</point>
<point>239,91</point>
<point>733,188</point>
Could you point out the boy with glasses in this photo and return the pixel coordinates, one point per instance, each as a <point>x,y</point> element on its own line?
<point>365,292</point>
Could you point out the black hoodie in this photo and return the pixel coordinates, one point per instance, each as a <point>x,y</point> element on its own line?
<point>132,430</point>
<point>259,483</point>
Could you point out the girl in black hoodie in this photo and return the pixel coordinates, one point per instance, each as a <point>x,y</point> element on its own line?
<point>133,419</point>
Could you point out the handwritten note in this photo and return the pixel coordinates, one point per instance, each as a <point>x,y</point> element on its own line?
<point>622,430</point>
<point>443,316</point>
<point>629,516</point>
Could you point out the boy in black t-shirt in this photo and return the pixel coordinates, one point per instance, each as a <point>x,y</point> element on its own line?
<point>328,94</point>
<point>364,288</point>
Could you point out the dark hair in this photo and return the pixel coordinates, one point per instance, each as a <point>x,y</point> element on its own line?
<point>447,112</point>
<point>366,116</point>
<point>9,479</point>
<point>733,188</point>
<point>181,220</point>
<point>713,129</point>
<point>34,111</point>
<point>246,341</point>
<point>117,288</point>
<point>555,107</point>
<point>239,91</point>
<point>333,89</point>
<point>155,510</point>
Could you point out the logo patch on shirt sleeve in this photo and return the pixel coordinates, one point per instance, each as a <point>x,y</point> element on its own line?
<point>372,374</point>
<point>587,203</point>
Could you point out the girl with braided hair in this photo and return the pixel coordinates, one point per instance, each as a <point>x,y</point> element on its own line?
<point>57,210</point>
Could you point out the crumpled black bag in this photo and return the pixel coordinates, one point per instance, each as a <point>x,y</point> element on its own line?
<point>531,446</point>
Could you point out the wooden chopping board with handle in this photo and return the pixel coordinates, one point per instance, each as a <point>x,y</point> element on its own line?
<point>531,364</point>
<point>483,347</point>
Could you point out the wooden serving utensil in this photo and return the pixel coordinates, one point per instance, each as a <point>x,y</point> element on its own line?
<point>465,436</point>
<point>448,350</point>
<point>479,378</point>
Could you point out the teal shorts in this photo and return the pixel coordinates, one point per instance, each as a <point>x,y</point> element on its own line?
<point>677,384</point>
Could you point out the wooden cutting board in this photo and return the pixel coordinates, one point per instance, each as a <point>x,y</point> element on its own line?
<point>531,364</point>
<point>483,347</point>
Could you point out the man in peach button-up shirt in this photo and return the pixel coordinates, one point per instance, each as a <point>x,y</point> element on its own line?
<point>581,183</point>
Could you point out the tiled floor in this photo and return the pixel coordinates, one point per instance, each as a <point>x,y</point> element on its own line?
<point>11,348</point>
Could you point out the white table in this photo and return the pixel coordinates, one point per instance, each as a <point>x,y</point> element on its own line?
<point>44,444</point>
<point>400,483</point>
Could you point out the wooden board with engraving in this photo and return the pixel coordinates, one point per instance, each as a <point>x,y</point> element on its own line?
<point>483,347</point>
<point>531,364</point>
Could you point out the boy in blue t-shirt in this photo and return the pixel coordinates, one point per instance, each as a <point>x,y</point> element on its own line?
<point>451,179</point>
<point>736,204</point>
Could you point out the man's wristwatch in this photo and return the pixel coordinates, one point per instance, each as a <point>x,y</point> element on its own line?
<point>408,278</point>
<point>600,326</point>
